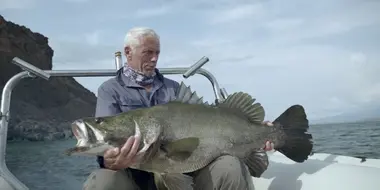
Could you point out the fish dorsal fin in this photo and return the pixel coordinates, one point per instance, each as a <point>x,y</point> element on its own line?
<point>244,103</point>
<point>186,95</point>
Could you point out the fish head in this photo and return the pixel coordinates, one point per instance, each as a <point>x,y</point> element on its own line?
<point>90,137</point>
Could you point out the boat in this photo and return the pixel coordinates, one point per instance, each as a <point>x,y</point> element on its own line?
<point>320,171</point>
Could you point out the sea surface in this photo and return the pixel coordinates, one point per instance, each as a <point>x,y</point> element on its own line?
<point>42,166</point>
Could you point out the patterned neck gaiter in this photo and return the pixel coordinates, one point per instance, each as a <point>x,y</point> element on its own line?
<point>138,76</point>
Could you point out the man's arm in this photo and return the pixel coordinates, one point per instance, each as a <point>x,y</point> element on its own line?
<point>106,105</point>
<point>175,87</point>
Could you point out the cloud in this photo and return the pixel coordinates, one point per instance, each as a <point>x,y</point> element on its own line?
<point>152,12</point>
<point>93,38</point>
<point>77,1</point>
<point>284,24</point>
<point>84,50</point>
<point>285,68</point>
<point>16,4</point>
<point>321,54</point>
<point>238,12</point>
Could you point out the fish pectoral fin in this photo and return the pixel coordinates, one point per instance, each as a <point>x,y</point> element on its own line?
<point>181,149</point>
<point>173,181</point>
<point>257,163</point>
<point>160,185</point>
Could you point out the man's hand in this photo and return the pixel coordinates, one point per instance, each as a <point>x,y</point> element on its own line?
<point>268,123</point>
<point>117,159</point>
<point>268,145</point>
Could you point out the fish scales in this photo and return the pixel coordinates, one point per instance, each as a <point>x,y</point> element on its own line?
<point>204,121</point>
<point>220,132</point>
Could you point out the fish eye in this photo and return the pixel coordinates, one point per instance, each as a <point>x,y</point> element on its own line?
<point>99,120</point>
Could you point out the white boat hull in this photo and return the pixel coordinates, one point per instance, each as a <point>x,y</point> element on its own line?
<point>5,185</point>
<point>321,171</point>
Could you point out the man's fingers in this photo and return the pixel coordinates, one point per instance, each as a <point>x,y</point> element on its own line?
<point>137,158</point>
<point>268,146</point>
<point>127,147</point>
<point>109,162</point>
<point>110,157</point>
<point>124,152</point>
<point>268,123</point>
<point>135,147</point>
<point>113,167</point>
<point>111,153</point>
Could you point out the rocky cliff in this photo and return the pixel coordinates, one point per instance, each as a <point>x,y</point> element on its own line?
<point>40,109</point>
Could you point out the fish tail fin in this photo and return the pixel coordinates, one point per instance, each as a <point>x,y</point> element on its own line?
<point>297,143</point>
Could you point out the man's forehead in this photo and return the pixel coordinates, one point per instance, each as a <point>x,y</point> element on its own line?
<point>149,42</point>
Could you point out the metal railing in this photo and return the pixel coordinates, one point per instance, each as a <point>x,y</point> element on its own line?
<point>31,71</point>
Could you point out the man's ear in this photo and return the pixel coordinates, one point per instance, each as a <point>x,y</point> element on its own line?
<point>127,52</point>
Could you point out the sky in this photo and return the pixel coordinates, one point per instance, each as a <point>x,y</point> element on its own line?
<point>324,55</point>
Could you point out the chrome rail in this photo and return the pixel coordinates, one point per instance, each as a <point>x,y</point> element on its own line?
<point>31,71</point>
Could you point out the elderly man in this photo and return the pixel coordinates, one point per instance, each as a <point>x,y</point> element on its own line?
<point>139,84</point>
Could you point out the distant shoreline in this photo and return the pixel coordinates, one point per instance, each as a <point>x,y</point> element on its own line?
<point>348,122</point>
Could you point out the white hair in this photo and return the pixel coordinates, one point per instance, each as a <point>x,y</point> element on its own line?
<point>134,35</point>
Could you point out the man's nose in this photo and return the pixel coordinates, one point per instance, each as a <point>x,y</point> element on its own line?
<point>154,58</point>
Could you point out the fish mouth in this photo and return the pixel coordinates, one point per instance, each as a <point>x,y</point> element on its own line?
<point>79,129</point>
<point>89,139</point>
<point>85,133</point>
<point>80,132</point>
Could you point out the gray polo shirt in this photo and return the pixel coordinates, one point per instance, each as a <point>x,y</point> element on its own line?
<point>119,94</point>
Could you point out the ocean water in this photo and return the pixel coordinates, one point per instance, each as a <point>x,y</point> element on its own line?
<point>42,166</point>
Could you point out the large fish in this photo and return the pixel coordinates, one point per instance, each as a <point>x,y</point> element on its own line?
<point>187,134</point>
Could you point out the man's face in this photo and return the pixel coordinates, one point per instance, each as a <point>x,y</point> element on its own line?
<point>144,57</point>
